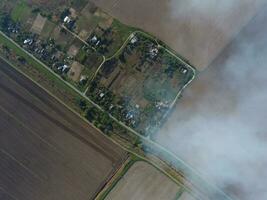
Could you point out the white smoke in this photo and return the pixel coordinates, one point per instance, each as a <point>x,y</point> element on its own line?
<point>220,125</point>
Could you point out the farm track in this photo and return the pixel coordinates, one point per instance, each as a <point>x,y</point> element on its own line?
<point>48,148</point>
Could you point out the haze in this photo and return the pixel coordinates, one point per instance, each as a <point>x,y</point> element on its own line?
<point>219,126</point>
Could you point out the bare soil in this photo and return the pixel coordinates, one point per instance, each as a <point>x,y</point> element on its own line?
<point>46,151</point>
<point>75,71</point>
<point>144,182</point>
<point>38,24</point>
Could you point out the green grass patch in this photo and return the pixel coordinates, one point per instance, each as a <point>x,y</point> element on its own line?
<point>21,12</point>
<point>123,31</point>
<point>48,29</point>
<point>120,32</point>
<point>81,56</point>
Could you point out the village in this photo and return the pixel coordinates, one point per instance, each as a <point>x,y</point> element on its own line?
<point>139,84</point>
<point>99,56</point>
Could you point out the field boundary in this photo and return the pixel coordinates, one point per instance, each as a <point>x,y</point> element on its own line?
<point>139,157</point>
<point>152,144</point>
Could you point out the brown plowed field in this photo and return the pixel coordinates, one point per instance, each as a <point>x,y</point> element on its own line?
<point>144,182</point>
<point>198,30</point>
<point>46,151</point>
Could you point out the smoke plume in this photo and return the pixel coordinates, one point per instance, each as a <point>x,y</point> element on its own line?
<point>220,124</point>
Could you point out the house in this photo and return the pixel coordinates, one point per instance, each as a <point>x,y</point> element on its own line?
<point>28,41</point>
<point>63,68</point>
<point>83,78</point>
<point>94,39</point>
<point>183,70</point>
<point>153,52</point>
<point>102,95</point>
<point>67,19</point>
<point>134,40</point>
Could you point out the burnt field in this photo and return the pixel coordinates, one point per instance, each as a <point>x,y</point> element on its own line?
<point>46,151</point>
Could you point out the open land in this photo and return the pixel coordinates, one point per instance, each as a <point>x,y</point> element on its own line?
<point>233,87</point>
<point>198,31</point>
<point>144,182</point>
<point>65,53</point>
<point>47,152</point>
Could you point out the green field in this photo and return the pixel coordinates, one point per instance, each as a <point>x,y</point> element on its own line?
<point>21,12</point>
<point>47,30</point>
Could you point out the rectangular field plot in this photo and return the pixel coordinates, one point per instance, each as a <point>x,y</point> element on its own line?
<point>46,151</point>
<point>38,24</point>
<point>21,12</point>
<point>186,196</point>
<point>82,64</point>
<point>140,83</point>
<point>144,182</point>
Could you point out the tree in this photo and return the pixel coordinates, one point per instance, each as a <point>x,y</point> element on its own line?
<point>82,104</point>
<point>91,114</point>
<point>4,22</point>
<point>22,60</point>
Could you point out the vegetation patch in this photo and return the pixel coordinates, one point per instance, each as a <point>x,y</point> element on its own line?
<point>21,12</point>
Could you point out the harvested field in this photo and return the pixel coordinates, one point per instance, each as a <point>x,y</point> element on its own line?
<point>73,50</point>
<point>75,71</point>
<point>46,151</point>
<point>195,29</point>
<point>144,182</point>
<point>48,29</point>
<point>186,196</point>
<point>38,24</point>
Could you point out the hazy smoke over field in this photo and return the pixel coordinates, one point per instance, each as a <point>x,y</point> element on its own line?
<point>220,125</point>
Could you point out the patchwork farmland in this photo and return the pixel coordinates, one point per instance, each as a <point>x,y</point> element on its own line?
<point>46,151</point>
<point>97,54</point>
<point>144,182</point>
<point>82,54</point>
